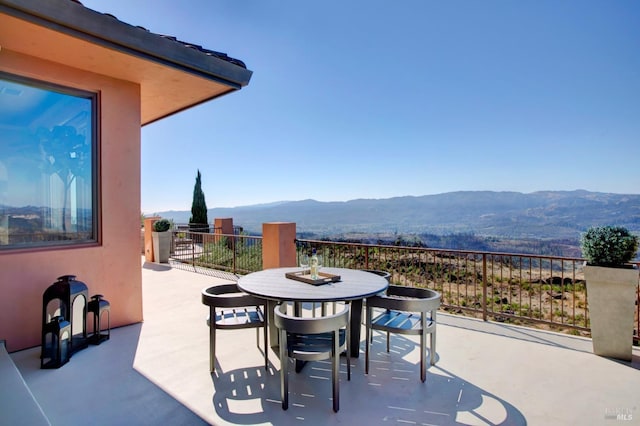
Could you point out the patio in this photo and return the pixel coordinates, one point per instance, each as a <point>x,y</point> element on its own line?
<point>156,372</point>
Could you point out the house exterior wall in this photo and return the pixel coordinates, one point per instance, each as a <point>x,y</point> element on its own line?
<point>113,266</point>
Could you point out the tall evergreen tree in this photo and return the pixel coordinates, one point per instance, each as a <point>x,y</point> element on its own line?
<point>199,206</point>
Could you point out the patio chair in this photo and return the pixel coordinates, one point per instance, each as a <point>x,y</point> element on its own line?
<point>407,310</point>
<point>312,339</point>
<point>229,309</point>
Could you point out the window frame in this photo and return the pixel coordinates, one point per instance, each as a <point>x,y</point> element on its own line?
<point>96,216</point>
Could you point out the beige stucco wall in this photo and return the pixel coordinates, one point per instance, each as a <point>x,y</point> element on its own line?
<point>111,268</point>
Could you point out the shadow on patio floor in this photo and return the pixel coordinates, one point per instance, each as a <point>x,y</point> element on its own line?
<point>157,372</point>
<point>392,392</point>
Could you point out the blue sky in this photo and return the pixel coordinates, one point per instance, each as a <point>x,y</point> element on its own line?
<point>376,99</point>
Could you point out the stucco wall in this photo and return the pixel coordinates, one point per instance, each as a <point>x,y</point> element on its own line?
<point>111,268</point>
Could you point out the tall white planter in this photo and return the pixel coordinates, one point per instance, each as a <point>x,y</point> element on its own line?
<point>161,246</point>
<point>611,294</point>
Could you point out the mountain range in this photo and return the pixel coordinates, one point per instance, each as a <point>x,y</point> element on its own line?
<point>537,215</point>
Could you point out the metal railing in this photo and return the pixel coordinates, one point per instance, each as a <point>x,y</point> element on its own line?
<point>238,254</point>
<point>517,288</point>
<point>546,291</point>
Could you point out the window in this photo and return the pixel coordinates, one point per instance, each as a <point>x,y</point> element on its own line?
<point>48,164</point>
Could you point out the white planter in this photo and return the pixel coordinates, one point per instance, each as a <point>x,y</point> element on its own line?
<point>161,246</point>
<point>611,294</point>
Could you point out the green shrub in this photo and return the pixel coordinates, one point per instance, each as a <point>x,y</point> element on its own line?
<point>609,246</point>
<point>161,225</point>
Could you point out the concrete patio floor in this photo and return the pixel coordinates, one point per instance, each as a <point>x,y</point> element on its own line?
<point>157,373</point>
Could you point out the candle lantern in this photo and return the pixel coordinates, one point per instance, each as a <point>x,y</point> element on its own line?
<point>68,298</point>
<point>56,343</point>
<point>97,307</point>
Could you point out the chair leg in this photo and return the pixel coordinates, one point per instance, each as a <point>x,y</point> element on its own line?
<point>212,339</point>
<point>335,358</point>
<point>432,348</point>
<point>423,356</point>
<point>388,335</point>
<point>347,336</point>
<point>348,364</point>
<point>266,346</point>
<point>367,340</point>
<point>274,333</point>
<point>284,375</point>
<point>258,338</point>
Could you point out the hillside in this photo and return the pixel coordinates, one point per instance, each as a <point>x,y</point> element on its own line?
<point>537,215</point>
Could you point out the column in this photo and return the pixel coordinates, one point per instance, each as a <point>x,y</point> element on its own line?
<point>278,245</point>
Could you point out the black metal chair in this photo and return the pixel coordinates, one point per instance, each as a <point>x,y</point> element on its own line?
<point>230,308</point>
<point>406,310</point>
<point>312,339</point>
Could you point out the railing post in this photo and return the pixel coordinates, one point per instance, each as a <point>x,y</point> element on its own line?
<point>637,336</point>
<point>278,245</point>
<point>222,226</point>
<point>484,286</point>
<point>366,258</point>
<point>235,255</point>
<point>193,250</point>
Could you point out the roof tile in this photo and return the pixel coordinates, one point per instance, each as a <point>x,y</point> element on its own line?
<point>207,52</point>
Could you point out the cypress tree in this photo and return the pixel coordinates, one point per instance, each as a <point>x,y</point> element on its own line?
<point>198,221</point>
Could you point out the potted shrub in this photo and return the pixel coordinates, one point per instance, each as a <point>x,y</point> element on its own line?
<point>161,240</point>
<point>611,288</point>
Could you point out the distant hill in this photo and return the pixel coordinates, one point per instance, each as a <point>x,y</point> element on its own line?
<point>537,215</point>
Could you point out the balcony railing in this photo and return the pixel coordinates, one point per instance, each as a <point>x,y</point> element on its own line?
<point>238,254</point>
<point>542,291</point>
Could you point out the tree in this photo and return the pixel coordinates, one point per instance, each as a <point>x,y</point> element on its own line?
<point>198,221</point>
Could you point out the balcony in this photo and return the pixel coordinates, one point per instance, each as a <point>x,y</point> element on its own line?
<point>156,372</point>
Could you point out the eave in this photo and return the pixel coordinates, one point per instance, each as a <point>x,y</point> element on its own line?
<point>173,75</point>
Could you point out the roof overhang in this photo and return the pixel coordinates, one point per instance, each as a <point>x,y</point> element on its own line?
<point>172,75</point>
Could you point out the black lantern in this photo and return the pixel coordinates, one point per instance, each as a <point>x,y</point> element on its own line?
<point>67,298</point>
<point>56,343</point>
<point>98,306</point>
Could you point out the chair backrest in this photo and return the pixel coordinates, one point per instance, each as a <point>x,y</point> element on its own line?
<point>229,296</point>
<point>384,274</point>
<point>310,325</point>
<point>410,299</point>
